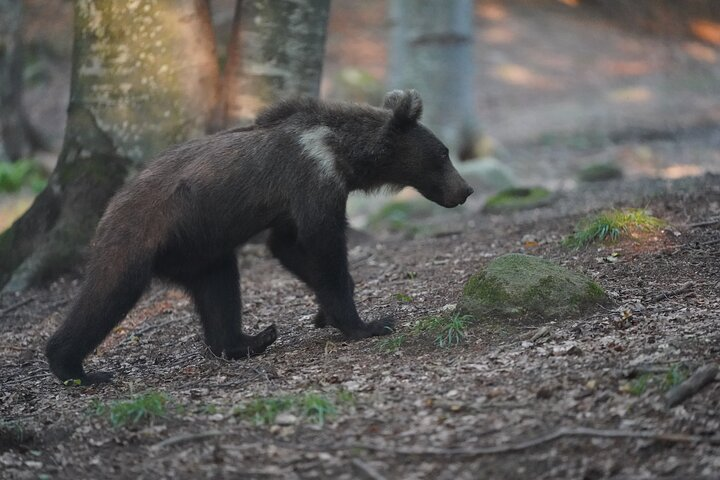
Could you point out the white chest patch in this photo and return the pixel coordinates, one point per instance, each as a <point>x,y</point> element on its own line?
<point>314,145</point>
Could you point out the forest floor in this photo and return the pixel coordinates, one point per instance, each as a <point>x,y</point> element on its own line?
<point>406,408</point>
<point>573,398</point>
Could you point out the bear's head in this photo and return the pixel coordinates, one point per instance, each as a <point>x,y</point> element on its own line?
<point>417,157</point>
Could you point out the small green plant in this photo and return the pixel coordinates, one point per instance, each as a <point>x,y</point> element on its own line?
<point>639,385</point>
<point>403,297</point>
<point>429,324</point>
<point>317,408</point>
<point>611,225</point>
<point>15,175</point>
<point>209,409</point>
<point>454,331</point>
<point>675,376</point>
<point>411,275</point>
<point>391,344</point>
<point>314,407</point>
<point>345,397</point>
<point>13,433</point>
<point>449,331</point>
<point>142,408</point>
<point>263,411</point>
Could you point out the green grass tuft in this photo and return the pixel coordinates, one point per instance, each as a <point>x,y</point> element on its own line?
<point>611,225</point>
<point>263,411</point>
<point>314,407</point>
<point>449,330</point>
<point>391,344</point>
<point>675,376</point>
<point>142,408</point>
<point>454,331</point>
<point>317,408</point>
<point>403,297</point>
<point>639,385</point>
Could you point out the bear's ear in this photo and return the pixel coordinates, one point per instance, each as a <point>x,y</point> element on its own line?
<point>405,104</point>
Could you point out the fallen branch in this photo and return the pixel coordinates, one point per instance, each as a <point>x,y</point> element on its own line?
<point>460,452</point>
<point>697,381</point>
<point>706,223</point>
<point>15,306</point>
<point>560,433</point>
<point>685,287</point>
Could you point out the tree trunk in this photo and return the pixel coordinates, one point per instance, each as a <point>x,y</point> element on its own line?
<point>431,50</point>
<point>17,136</point>
<point>276,50</point>
<point>144,76</point>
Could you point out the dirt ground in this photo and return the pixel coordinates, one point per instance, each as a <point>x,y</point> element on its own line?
<point>572,398</point>
<point>411,405</point>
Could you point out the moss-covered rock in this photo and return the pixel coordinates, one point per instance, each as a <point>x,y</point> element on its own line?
<point>599,172</point>
<point>523,286</point>
<point>518,199</point>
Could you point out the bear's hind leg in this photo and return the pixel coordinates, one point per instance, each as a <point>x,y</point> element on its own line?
<point>216,292</point>
<point>106,297</point>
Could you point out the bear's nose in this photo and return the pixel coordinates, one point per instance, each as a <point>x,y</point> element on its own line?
<point>469,192</point>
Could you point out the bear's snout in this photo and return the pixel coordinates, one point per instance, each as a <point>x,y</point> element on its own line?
<point>456,190</point>
<point>459,197</point>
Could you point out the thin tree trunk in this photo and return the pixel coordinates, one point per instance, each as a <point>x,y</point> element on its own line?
<point>16,135</point>
<point>431,50</point>
<point>144,76</point>
<point>276,50</point>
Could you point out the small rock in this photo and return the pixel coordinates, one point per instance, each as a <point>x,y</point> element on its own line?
<point>284,419</point>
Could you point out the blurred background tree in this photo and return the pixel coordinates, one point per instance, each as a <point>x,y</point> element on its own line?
<point>431,47</point>
<point>19,138</point>
<point>276,49</point>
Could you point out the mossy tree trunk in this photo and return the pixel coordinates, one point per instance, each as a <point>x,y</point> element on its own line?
<point>144,76</point>
<point>276,50</point>
<point>431,50</point>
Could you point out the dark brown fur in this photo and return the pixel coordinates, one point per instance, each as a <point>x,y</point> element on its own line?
<point>183,217</point>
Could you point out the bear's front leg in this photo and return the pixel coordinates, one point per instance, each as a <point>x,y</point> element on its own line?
<point>216,292</point>
<point>319,258</point>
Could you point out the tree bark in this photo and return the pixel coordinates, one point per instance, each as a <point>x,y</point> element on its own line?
<point>144,76</point>
<point>17,136</point>
<point>276,50</point>
<point>431,50</point>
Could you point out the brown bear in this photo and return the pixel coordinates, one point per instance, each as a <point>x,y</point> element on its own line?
<point>182,218</point>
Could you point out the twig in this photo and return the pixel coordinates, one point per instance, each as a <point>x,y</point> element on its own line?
<point>151,326</point>
<point>711,242</point>
<point>702,376</point>
<point>369,471</point>
<point>682,289</point>
<point>706,223</point>
<point>191,437</point>
<point>28,378</point>
<point>15,306</point>
<point>461,452</point>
